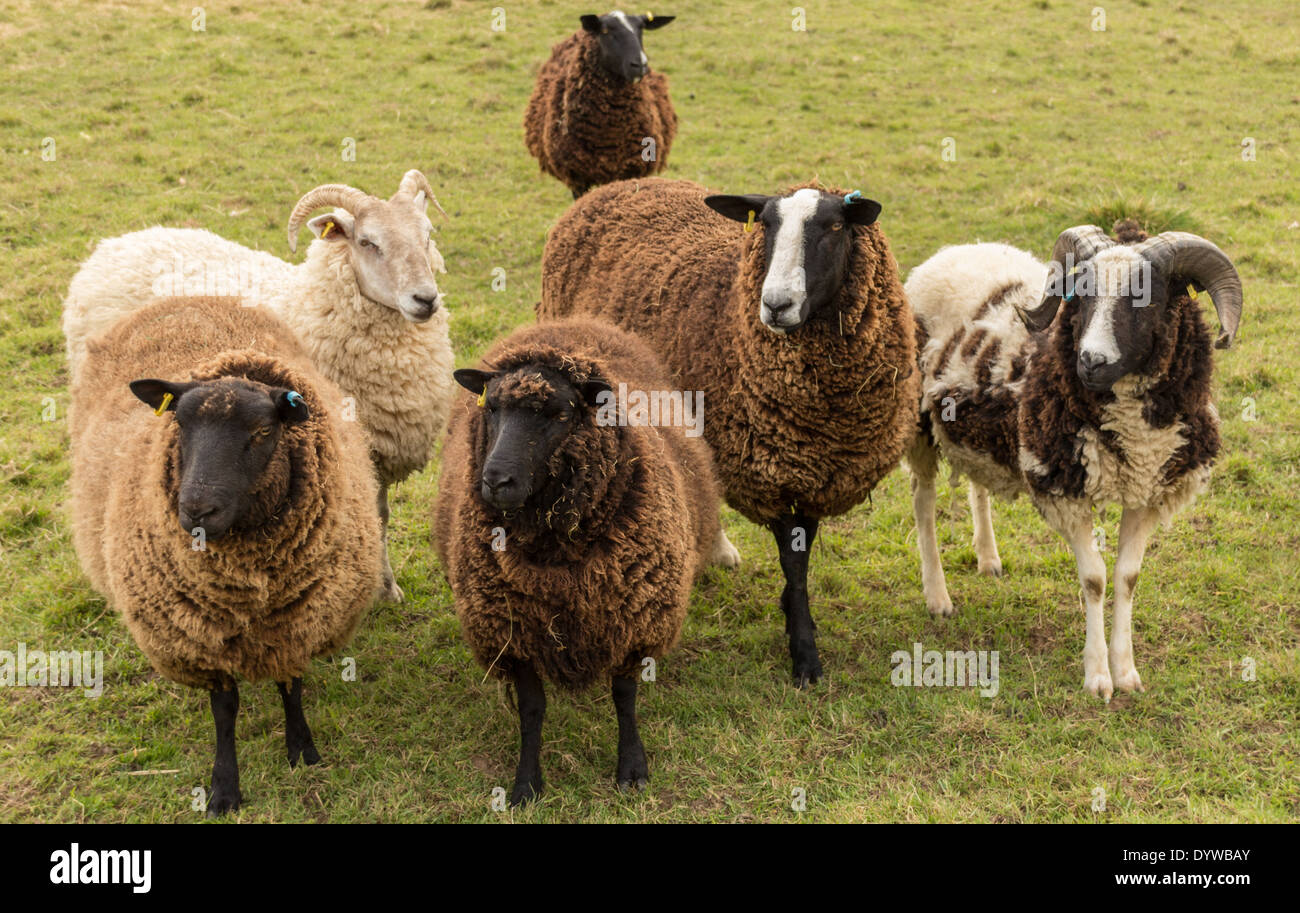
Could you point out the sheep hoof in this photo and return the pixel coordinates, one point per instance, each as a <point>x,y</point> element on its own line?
<point>1129,681</point>
<point>223,801</point>
<point>807,670</point>
<point>992,569</point>
<point>942,609</point>
<point>724,553</point>
<point>308,754</point>
<point>1099,684</point>
<point>526,792</point>
<point>639,784</point>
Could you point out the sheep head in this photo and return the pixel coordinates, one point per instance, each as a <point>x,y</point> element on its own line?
<point>529,412</point>
<point>618,35</point>
<point>1123,292</point>
<point>806,247</point>
<point>389,248</point>
<point>231,467</point>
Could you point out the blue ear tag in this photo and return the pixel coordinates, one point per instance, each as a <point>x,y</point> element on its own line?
<point>294,398</point>
<point>850,198</point>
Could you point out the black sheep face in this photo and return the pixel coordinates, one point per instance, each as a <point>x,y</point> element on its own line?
<point>621,51</point>
<point>529,411</point>
<point>229,432</point>
<point>1121,301</point>
<point>806,247</point>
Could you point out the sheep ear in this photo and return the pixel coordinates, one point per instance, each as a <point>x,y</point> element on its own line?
<point>656,22</point>
<point>332,226</point>
<point>291,407</point>
<point>591,24</point>
<point>473,380</point>
<point>861,211</point>
<point>155,393</point>
<point>592,390</point>
<point>739,207</point>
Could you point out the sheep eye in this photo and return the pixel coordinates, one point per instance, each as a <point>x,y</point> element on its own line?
<point>837,226</point>
<point>366,242</point>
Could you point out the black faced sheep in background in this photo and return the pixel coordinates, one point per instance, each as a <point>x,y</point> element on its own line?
<point>230,517</point>
<point>1108,401</point>
<point>795,327</point>
<point>598,113</point>
<point>570,538</point>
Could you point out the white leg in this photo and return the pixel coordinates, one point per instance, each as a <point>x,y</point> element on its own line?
<point>1076,527</point>
<point>1135,527</point>
<point>724,553</point>
<point>986,546</point>
<point>923,463</point>
<point>391,591</point>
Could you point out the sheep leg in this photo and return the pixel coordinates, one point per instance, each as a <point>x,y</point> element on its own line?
<point>297,734</point>
<point>724,553</point>
<point>224,795</point>
<point>392,591</point>
<point>632,768</point>
<point>1077,529</point>
<point>1135,528</point>
<point>923,464</point>
<point>794,538</point>
<point>532,708</point>
<point>986,546</point>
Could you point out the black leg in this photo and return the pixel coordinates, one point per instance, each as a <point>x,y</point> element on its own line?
<point>532,708</point>
<point>794,538</point>
<point>224,795</point>
<point>632,768</point>
<point>297,734</point>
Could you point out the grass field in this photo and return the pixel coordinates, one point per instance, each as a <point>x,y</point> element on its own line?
<point>117,116</point>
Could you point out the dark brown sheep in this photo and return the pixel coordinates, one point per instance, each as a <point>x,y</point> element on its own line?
<point>805,413</point>
<point>277,551</point>
<point>1098,396</point>
<point>596,104</point>
<point>570,543</point>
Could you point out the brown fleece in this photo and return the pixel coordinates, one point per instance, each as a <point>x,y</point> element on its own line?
<point>585,126</point>
<point>292,579</point>
<point>810,420</point>
<point>597,567</point>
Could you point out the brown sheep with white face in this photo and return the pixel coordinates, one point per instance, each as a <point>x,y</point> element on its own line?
<point>222,506</point>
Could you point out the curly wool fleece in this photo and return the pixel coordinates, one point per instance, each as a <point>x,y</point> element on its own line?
<point>586,126</point>
<point>597,568</point>
<point>263,600</point>
<point>811,420</point>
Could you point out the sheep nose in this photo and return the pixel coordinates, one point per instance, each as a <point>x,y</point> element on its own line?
<point>426,303</point>
<point>1092,360</point>
<point>194,511</point>
<point>496,478</point>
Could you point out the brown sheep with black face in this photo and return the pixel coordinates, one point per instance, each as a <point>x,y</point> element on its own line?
<point>598,113</point>
<point>222,506</point>
<point>570,537</point>
<point>1081,382</point>
<point>794,325</point>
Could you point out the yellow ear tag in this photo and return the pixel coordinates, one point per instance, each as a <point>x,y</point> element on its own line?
<point>162,407</point>
<point>1191,293</point>
<point>482,398</point>
<point>649,16</point>
<point>749,226</point>
<point>329,227</point>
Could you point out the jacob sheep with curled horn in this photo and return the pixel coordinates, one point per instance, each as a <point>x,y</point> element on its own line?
<point>598,113</point>
<point>569,526</point>
<point>222,506</point>
<point>364,303</point>
<point>1082,382</point>
<point>795,328</point>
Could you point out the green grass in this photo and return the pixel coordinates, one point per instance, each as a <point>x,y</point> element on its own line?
<point>1053,124</point>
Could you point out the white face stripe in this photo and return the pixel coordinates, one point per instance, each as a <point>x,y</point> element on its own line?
<point>1112,273</point>
<point>624,21</point>
<point>785,274</point>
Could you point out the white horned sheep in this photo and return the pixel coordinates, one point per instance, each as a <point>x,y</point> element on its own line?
<point>1082,382</point>
<point>364,303</point>
<point>222,506</point>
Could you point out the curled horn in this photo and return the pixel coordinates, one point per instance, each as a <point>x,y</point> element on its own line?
<point>1077,245</point>
<point>413,182</point>
<point>1185,257</point>
<point>340,195</point>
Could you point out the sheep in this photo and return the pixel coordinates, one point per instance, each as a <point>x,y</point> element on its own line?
<point>569,527</point>
<point>365,304</point>
<point>597,113</point>
<point>1107,403</point>
<point>235,529</point>
<point>796,329</point>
